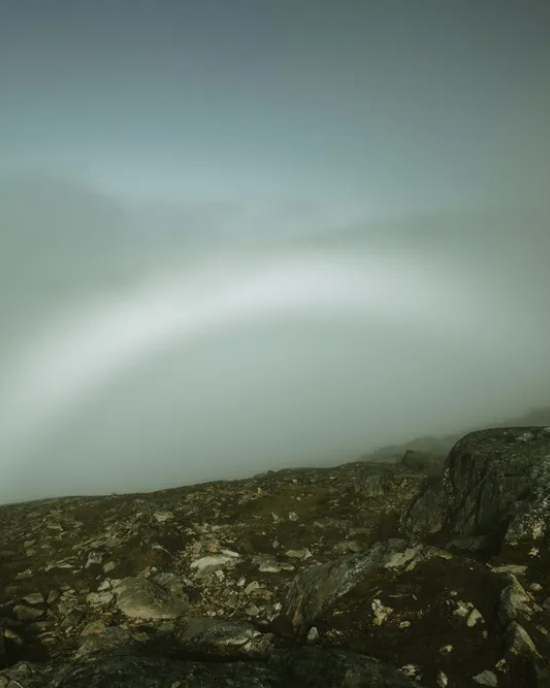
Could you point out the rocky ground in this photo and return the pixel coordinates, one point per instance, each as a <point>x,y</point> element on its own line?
<point>361,576</point>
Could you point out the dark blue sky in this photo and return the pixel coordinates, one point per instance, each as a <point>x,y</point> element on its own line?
<point>362,105</point>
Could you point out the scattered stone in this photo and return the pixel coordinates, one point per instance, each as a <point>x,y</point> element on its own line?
<point>442,679</point>
<point>313,634</point>
<point>94,628</point>
<point>95,558</point>
<point>144,599</point>
<point>515,604</point>
<point>502,665</point>
<point>463,609</point>
<point>53,596</point>
<point>380,612</point>
<point>67,605</point>
<point>11,635</point>
<point>99,599</point>
<point>518,641</point>
<point>514,569</point>
<point>163,516</point>
<point>217,638</point>
<point>474,618</point>
<point>486,678</point>
<point>410,670</point>
<point>23,575</point>
<point>252,610</point>
<point>298,553</point>
<point>208,564</point>
<point>26,613</point>
<point>232,601</point>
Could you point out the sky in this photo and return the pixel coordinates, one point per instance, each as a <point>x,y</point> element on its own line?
<point>240,236</point>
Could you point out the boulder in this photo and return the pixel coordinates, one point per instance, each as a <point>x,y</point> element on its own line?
<point>494,482</point>
<point>304,668</point>
<point>145,599</point>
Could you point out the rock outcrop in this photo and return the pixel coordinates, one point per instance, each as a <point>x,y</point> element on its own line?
<point>496,483</point>
<point>359,576</point>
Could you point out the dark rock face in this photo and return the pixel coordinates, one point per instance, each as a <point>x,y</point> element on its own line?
<point>360,576</point>
<point>501,478</point>
<point>302,667</point>
<point>494,480</point>
<point>427,515</point>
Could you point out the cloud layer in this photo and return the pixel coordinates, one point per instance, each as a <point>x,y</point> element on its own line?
<point>139,353</point>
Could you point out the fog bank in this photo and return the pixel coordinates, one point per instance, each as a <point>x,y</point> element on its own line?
<point>141,357</point>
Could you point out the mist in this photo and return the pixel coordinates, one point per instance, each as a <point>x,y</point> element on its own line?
<point>136,359</point>
<point>237,237</point>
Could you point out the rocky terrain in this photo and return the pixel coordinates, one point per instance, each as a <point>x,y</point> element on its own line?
<point>361,576</point>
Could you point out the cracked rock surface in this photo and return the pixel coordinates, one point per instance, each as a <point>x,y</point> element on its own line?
<point>363,575</point>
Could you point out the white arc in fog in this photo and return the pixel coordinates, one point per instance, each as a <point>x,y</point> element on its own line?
<point>82,350</point>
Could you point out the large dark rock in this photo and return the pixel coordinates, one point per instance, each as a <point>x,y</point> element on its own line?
<point>495,482</point>
<point>301,668</point>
